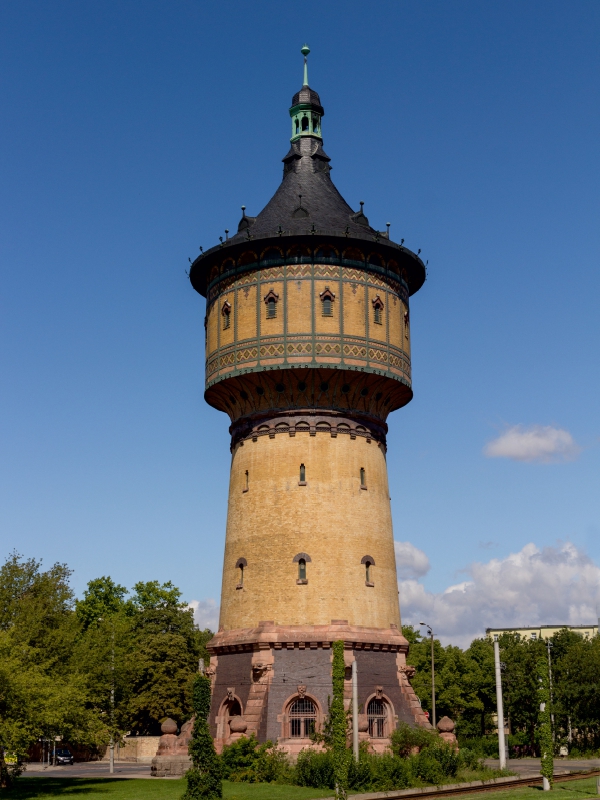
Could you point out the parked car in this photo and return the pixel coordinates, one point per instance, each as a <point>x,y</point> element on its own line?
<point>63,756</point>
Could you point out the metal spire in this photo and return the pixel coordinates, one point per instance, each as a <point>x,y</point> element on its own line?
<point>305,51</point>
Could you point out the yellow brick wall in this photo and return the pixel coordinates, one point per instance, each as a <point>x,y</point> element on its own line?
<point>353,314</point>
<point>331,518</point>
<point>246,317</point>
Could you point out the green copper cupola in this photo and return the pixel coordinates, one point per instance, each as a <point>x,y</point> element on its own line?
<point>306,110</point>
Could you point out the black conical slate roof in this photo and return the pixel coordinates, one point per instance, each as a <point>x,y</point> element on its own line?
<point>306,204</point>
<point>306,197</point>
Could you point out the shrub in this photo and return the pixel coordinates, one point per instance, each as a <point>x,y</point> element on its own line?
<point>469,759</point>
<point>447,757</point>
<point>405,738</point>
<point>426,767</point>
<point>315,768</point>
<point>379,773</point>
<point>247,761</point>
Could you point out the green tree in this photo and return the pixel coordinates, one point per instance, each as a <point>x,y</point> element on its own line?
<point>167,646</point>
<point>103,598</point>
<point>338,721</point>
<point>41,693</point>
<point>204,779</point>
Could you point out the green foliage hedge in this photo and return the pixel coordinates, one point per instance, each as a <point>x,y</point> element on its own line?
<point>247,760</point>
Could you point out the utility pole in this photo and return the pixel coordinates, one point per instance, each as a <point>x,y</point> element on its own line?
<point>112,703</point>
<point>500,704</point>
<point>549,646</point>
<point>433,719</point>
<point>355,710</point>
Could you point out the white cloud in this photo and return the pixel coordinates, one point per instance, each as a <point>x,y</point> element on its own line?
<point>553,585</point>
<point>410,561</point>
<point>535,443</point>
<point>206,613</point>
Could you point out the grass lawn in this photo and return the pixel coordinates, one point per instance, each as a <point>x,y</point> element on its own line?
<point>148,789</point>
<point>570,790</point>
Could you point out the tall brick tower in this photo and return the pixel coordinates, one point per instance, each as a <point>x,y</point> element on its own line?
<point>308,351</point>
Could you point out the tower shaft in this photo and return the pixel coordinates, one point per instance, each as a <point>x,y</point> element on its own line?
<point>308,352</point>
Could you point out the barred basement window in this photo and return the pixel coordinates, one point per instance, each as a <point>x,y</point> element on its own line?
<point>303,718</point>
<point>376,716</point>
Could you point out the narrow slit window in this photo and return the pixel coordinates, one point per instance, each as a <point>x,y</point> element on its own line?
<point>271,303</point>
<point>302,473</point>
<point>226,312</point>
<point>241,575</point>
<point>246,481</point>
<point>368,571</point>
<point>301,570</point>
<point>327,308</point>
<point>377,309</point>
<point>363,477</point>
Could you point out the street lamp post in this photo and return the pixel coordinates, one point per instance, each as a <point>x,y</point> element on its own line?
<point>430,629</point>
<point>549,647</point>
<point>500,704</point>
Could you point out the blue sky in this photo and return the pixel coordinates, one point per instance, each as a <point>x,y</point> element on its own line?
<point>132,133</point>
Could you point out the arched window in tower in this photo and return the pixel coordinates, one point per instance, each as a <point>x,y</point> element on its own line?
<point>246,481</point>
<point>368,562</point>
<point>240,566</point>
<point>226,312</point>
<point>302,481</point>
<point>302,559</point>
<point>363,478</point>
<point>303,718</point>
<point>271,303</point>
<point>377,718</point>
<point>297,125</point>
<point>305,124</point>
<point>315,124</point>
<point>327,298</point>
<point>377,310</point>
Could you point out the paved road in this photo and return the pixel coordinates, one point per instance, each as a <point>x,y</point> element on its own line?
<point>527,766</point>
<point>89,769</point>
<point>123,769</point>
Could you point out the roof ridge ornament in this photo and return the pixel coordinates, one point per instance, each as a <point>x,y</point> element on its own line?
<point>305,50</point>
